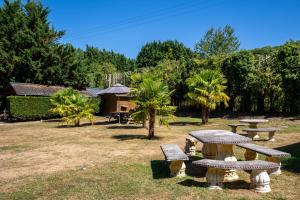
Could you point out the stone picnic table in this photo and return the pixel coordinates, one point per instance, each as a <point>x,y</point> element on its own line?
<point>218,145</point>
<point>253,124</point>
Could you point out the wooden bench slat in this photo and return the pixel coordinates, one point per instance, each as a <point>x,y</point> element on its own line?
<point>172,152</point>
<point>264,150</point>
<point>239,165</point>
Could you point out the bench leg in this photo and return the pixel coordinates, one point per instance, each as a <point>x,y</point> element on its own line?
<point>190,147</point>
<point>250,155</point>
<point>260,181</point>
<point>215,178</point>
<point>234,129</point>
<point>225,152</point>
<point>276,171</point>
<point>253,134</point>
<point>271,136</point>
<point>177,168</point>
<point>209,151</point>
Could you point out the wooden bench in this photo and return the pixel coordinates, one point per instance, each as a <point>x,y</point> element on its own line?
<point>252,132</point>
<point>234,126</point>
<point>190,146</point>
<point>272,155</point>
<point>176,157</point>
<point>260,180</point>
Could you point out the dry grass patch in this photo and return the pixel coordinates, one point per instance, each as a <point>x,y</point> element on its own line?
<point>111,161</point>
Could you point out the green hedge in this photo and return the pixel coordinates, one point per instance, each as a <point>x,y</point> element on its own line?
<point>29,108</point>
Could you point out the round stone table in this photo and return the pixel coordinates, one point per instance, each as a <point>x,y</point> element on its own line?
<point>253,124</point>
<point>218,145</point>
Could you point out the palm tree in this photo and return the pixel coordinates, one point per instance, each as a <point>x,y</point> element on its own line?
<point>152,97</point>
<point>72,106</point>
<point>207,89</point>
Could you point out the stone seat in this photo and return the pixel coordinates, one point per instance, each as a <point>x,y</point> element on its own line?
<point>234,126</point>
<point>252,132</point>
<point>190,146</point>
<point>176,157</point>
<point>260,180</point>
<point>272,155</point>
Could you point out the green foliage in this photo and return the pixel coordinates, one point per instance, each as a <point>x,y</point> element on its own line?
<point>207,89</point>
<point>26,40</point>
<point>217,42</point>
<point>153,53</point>
<point>152,97</point>
<point>101,56</point>
<point>72,106</point>
<point>288,66</point>
<point>29,107</point>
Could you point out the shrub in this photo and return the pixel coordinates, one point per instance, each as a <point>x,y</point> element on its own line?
<point>72,106</point>
<point>29,107</point>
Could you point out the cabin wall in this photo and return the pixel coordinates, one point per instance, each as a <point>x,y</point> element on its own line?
<point>112,103</point>
<point>109,103</point>
<point>125,102</point>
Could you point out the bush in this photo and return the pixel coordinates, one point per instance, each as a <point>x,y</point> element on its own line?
<point>29,108</point>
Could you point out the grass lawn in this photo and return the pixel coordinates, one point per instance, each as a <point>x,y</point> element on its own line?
<point>111,161</point>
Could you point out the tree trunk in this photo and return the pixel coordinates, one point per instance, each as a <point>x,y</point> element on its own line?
<point>145,123</point>
<point>151,123</point>
<point>203,115</point>
<point>77,122</point>
<point>207,115</point>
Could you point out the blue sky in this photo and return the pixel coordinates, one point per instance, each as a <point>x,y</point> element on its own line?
<point>125,26</point>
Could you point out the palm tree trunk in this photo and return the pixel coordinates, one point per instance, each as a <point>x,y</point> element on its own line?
<point>77,122</point>
<point>207,115</point>
<point>151,123</point>
<point>203,115</point>
<point>145,123</point>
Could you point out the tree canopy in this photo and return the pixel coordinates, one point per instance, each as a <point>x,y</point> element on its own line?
<point>217,42</point>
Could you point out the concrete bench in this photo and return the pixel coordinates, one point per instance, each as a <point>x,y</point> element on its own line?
<point>260,180</point>
<point>234,126</point>
<point>176,157</point>
<point>252,132</point>
<point>190,146</point>
<point>272,155</point>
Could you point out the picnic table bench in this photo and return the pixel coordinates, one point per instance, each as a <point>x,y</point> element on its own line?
<point>272,155</point>
<point>190,146</point>
<point>234,126</point>
<point>260,180</point>
<point>176,157</point>
<point>252,132</point>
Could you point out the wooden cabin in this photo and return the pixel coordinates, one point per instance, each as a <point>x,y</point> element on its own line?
<point>116,99</point>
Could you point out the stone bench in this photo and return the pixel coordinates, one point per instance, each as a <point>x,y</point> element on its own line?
<point>234,126</point>
<point>176,157</point>
<point>190,146</point>
<point>260,180</point>
<point>252,132</point>
<point>272,155</point>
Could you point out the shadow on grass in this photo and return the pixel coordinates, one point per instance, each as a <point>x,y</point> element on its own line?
<point>240,184</point>
<point>125,127</point>
<point>160,169</point>
<point>185,123</point>
<point>84,124</point>
<point>124,137</point>
<point>192,183</point>
<point>291,164</point>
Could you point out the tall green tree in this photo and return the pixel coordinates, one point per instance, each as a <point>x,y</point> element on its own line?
<point>26,39</point>
<point>288,66</point>
<point>207,89</point>
<point>217,42</point>
<point>154,52</point>
<point>152,97</point>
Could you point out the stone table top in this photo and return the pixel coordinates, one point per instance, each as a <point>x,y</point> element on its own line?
<point>219,137</point>
<point>254,121</point>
